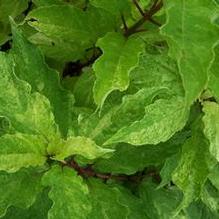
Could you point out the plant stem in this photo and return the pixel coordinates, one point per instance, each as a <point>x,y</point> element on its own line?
<point>88,171</point>
<point>147,16</point>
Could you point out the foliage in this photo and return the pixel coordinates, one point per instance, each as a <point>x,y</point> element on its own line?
<point>109,109</point>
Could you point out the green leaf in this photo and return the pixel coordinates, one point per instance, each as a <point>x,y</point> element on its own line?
<point>21,150</point>
<point>68,192</point>
<point>115,7</point>
<point>188,26</point>
<point>129,159</point>
<point>19,189</point>
<point>8,8</point>
<point>31,67</point>
<point>75,32</point>
<point>193,168</point>
<point>58,49</point>
<point>159,203</point>
<point>84,97</point>
<point>40,3</point>
<point>162,120</point>
<point>38,210</point>
<point>5,126</point>
<point>79,146</point>
<point>211,130</point>
<point>166,172</point>
<point>214,176</point>
<point>210,197</point>
<point>113,202</point>
<point>214,75</point>
<point>198,210</point>
<point>113,67</point>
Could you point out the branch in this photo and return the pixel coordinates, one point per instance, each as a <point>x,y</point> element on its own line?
<point>138,7</point>
<point>147,16</point>
<point>88,171</point>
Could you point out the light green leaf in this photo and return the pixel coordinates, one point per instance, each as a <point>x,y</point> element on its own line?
<point>159,203</point>
<point>14,93</point>
<point>113,67</point>
<point>38,210</point>
<point>28,113</point>
<point>132,108</point>
<point>193,168</point>
<point>156,69</point>
<point>162,120</point>
<point>211,129</point>
<point>19,189</point>
<point>31,67</point>
<point>113,202</point>
<point>68,192</point>
<point>79,146</point>
<point>21,150</point>
<point>38,118</point>
<point>188,26</point>
<point>8,8</point>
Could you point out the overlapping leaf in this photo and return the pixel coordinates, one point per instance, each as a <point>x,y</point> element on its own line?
<point>31,119</point>
<point>148,97</point>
